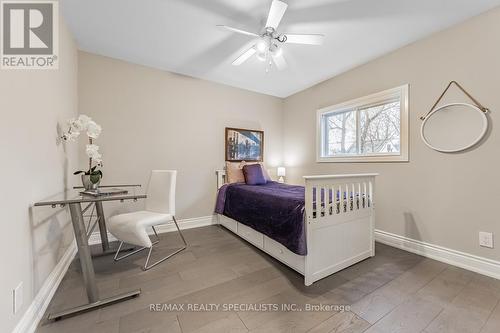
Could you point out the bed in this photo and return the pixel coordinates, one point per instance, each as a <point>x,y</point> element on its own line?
<point>317,229</point>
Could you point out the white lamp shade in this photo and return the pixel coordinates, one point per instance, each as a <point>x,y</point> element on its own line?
<point>281,172</point>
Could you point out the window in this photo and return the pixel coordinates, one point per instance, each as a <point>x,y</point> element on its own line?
<point>369,129</point>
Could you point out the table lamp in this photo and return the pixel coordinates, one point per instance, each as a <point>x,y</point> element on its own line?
<point>281,173</point>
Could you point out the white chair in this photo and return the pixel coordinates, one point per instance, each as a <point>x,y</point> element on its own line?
<point>160,209</point>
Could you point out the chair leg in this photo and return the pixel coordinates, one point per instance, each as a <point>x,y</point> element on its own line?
<point>116,258</point>
<point>156,234</point>
<point>147,266</point>
<point>179,230</point>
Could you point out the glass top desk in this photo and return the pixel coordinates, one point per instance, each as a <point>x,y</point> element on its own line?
<point>74,200</point>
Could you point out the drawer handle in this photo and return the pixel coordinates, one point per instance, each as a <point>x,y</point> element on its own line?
<point>281,251</point>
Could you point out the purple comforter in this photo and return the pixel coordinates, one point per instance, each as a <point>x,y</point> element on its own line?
<point>274,209</point>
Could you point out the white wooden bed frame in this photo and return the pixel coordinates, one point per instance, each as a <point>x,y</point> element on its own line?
<point>339,235</point>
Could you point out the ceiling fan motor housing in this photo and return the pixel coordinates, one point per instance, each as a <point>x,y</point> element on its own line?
<point>271,32</point>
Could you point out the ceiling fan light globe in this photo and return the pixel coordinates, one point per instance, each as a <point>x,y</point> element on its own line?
<point>278,52</point>
<point>262,56</point>
<point>261,46</point>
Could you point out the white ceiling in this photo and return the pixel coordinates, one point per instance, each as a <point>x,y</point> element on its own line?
<point>181,35</point>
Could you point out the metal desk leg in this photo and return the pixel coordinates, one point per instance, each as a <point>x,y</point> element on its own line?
<point>102,226</point>
<point>87,270</point>
<point>84,251</point>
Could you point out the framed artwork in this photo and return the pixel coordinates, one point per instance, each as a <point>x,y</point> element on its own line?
<point>244,145</point>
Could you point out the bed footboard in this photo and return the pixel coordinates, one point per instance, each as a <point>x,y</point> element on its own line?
<point>340,219</point>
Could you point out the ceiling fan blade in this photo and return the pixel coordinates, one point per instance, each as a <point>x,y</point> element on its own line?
<point>280,62</point>
<point>244,56</point>
<point>243,32</point>
<point>276,13</point>
<point>310,39</point>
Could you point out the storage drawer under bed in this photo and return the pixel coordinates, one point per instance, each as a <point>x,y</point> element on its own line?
<point>251,235</point>
<point>283,254</point>
<point>229,223</point>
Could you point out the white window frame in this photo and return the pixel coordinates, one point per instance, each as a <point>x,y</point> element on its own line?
<point>402,156</point>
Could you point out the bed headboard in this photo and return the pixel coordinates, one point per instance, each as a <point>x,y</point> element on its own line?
<point>221,177</point>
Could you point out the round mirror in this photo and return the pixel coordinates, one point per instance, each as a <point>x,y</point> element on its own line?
<point>454,127</point>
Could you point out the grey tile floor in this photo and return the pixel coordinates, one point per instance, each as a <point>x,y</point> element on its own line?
<point>395,291</point>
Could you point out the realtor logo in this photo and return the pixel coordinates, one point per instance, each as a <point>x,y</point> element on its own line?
<point>29,35</point>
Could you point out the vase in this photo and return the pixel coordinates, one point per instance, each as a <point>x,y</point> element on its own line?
<point>91,182</point>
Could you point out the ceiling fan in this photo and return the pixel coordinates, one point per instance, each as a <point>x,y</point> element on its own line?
<point>268,47</point>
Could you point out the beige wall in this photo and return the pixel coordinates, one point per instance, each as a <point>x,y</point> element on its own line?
<point>35,165</point>
<point>443,199</point>
<point>153,119</point>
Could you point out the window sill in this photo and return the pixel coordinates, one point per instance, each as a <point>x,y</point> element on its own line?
<point>363,159</point>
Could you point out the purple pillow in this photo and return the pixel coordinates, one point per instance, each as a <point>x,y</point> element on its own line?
<point>254,174</point>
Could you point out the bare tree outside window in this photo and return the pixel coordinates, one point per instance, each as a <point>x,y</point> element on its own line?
<point>366,130</point>
<point>342,133</point>
<point>380,129</point>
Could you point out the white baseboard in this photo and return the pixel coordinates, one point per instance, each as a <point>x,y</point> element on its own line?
<point>464,260</point>
<point>195,222</point>
<point>37,308</point>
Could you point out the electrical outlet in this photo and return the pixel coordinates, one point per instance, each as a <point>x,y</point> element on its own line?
<point>17,298</point>
<point>486,239</point>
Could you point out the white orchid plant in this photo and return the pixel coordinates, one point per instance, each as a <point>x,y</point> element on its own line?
<point>84,124</point>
